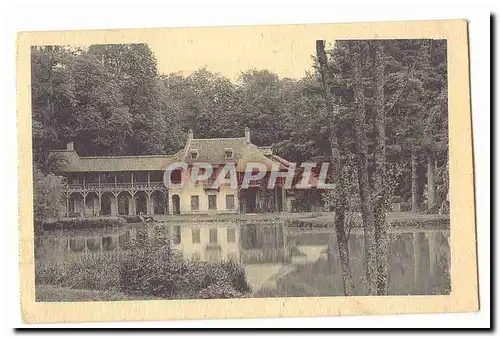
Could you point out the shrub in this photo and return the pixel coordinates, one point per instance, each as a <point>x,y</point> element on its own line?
<point>202,275</point>
<point>154,268</point>
<point>219,292</point>
<point>435,222</point>
<point>93,272</point>
<point>84,223</point>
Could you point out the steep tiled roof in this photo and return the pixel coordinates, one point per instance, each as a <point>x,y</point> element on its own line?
<point>73,163</point>
<point>211,151</point>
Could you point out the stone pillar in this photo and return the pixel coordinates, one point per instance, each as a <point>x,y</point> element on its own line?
<point>84,209</point>
<point>170,205</point>
<point>150,204</point>
<point>114,206</point>
<point>99,200</point>
<point>283,200</point>
<point>131,205</point>
<point>67,204</point>
<point>276,204</point>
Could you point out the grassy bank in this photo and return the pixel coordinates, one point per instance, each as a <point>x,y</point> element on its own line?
<point>397,220</point>
<point>56,293</point>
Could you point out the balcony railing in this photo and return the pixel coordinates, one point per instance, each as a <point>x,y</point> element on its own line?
<point>115,186</point>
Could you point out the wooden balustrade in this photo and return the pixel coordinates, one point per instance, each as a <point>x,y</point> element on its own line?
<point>113,186</point>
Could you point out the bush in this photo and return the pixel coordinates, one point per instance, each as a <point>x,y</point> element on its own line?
<point>435,222</point>
<point>154,268</point>
<point>93,272</point>
<point>219,292</point>
<point>84,223</point>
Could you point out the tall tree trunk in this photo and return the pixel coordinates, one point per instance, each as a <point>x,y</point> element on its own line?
<point>337,170</point>
<point>381,196</point>
<point>445,207</point>
<point>431,185</point>
<point>414,179</point>
<point>364,184</point>
<point>338,163</point>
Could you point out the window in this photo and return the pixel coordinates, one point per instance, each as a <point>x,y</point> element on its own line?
<point>212,202</point>
<point>230,202</point>
<point>212,236</point>
<point>194,154</point>
<point>231,235</point>
<point>229,153</point>
<point>195,235</point>
<point>176,176</point>
<point>195,203</point>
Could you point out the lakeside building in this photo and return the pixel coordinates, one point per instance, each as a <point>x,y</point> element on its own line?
<point>133,185</point>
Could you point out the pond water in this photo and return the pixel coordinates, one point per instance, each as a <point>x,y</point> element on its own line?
<point>280,261</point>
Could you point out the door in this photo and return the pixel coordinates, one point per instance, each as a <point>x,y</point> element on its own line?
<point>176,205</point>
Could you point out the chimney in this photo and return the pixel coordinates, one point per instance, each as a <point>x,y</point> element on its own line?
<point>247,134</point>
<point>190,134</point>
<point>70,146</point>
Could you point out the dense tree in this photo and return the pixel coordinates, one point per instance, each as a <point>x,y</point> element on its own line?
<point>135,69</point>
<point>101,124</point>
<point>48,194</point>
<point>110,99</point>
<point>52,99</point>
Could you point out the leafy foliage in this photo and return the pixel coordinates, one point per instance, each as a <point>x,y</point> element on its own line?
<point>111,100</point>
<point>48,194</point>
<point>155,268</point>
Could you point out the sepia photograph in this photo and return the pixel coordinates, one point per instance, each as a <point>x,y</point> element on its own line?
<point>162,171</point>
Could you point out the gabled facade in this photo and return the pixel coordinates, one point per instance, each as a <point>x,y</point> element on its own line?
<point>133,185</point>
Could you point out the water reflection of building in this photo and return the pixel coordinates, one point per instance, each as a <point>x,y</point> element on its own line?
<point>245,243</point>
<point>63,245</point>
<point>205,241</point>
<point>419,259</point>
<point>208,241</point>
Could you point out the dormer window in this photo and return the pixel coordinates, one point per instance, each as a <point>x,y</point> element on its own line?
<point>229,153</point>
<point>194,154</point>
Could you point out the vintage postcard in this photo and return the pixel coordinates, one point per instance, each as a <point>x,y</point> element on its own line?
<point>254,171</point>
